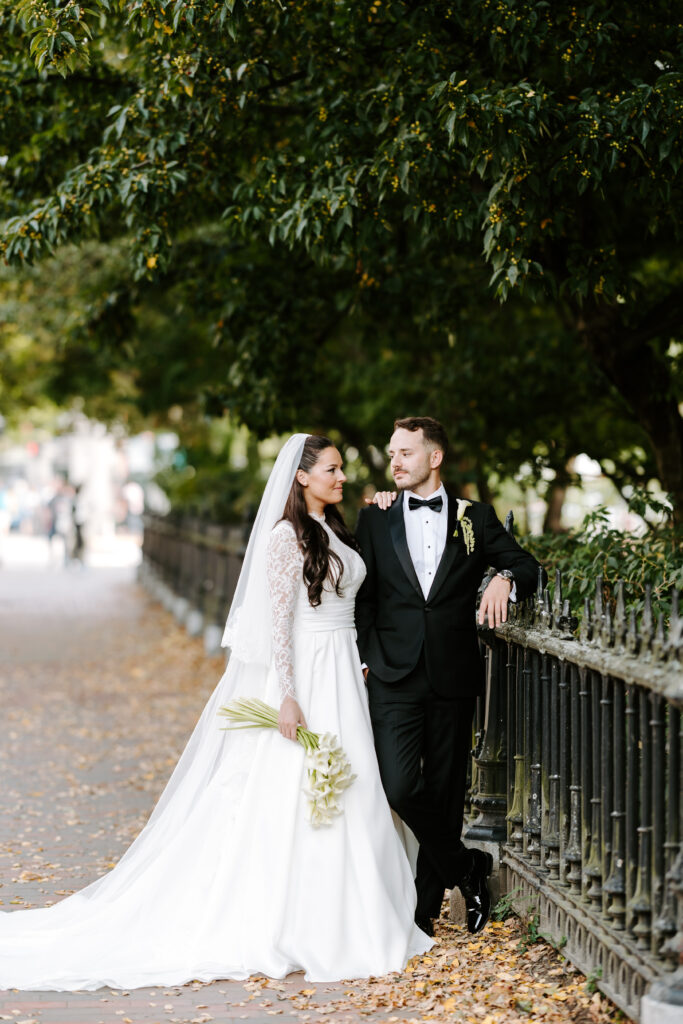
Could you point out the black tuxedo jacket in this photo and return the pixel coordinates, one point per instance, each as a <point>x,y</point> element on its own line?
<point>395,621</point>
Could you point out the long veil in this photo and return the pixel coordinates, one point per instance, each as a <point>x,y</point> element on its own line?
<point>248,634</point>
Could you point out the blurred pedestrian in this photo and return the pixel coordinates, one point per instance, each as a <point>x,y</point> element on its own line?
<point>79,518</point>
<point>135,502</point>
<point>4,516</point>
<point>61,520</point>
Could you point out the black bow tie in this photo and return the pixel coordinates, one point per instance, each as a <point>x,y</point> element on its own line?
<point>436,504</point>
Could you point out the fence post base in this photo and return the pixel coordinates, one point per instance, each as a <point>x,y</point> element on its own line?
<point>663,1004</point>
<point>194,622</point>
<point>213,635</point>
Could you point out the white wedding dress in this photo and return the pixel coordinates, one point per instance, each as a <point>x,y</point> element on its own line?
<point>228,878</point>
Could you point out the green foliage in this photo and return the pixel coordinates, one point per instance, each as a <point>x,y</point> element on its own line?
<point>558,945</point>
<point>504,908</point>
<point>327,200</point>
<point>217,473</point>
<point>592,980</point>
<point>375,125</point>
<point>59,35</point>
<point>531,933</point>
<point>596,548</point>
<point>202,487</point>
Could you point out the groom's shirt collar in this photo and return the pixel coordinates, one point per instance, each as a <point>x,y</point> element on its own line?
<point>426,497</point>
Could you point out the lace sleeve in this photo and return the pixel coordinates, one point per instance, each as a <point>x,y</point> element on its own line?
<point>284,566</point>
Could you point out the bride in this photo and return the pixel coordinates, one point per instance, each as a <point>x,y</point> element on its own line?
<point>228,878</point>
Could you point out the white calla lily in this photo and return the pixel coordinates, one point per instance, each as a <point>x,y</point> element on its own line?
<point>465,524</point>
<point>328,772</point>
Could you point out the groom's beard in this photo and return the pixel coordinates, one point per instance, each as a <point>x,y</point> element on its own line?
<point>409,483</point>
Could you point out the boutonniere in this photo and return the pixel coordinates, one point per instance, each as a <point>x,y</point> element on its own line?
<point>465,524</point>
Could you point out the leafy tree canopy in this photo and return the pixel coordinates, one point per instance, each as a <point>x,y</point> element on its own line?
<point>317,209</point>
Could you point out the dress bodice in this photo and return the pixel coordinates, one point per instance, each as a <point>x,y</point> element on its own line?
<point>291,610</point>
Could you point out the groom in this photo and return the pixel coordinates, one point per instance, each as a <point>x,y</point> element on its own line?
<point>415,617</point>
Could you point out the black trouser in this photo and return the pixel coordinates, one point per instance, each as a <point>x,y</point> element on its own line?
<point>423,742</point>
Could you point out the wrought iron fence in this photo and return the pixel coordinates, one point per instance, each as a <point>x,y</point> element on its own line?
<point>576,773</point>
<point>193,566</point>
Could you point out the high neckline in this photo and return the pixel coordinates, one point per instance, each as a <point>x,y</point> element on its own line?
<point>318,518</point>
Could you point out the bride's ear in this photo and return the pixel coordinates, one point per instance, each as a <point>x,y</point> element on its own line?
<point>302,477</point>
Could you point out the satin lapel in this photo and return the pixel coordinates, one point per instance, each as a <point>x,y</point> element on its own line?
<point>450,552</point>
<point>397,529</point>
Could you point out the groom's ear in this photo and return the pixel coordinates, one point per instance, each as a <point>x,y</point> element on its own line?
<point>436,458</point>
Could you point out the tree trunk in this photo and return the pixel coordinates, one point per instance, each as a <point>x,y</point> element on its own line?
<point>644,380</point>
<point>552,522</point>
<point>557,492</point>
<point>483,490</point>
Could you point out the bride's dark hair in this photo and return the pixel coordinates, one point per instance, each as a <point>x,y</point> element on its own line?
<point>320,563</point>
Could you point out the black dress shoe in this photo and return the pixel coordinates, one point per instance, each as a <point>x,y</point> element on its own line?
<point>475,891</point>
<point>425,925</point>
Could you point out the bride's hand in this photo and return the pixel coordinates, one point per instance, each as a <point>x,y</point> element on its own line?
<point>384,499</point>
<point>289,718</point>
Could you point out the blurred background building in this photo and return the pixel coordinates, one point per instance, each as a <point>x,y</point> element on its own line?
<point>77,497</point>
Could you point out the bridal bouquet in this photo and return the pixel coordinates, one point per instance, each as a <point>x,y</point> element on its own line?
<point>327,767</point>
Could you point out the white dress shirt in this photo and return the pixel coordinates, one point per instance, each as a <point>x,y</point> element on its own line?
<point>426,533</point>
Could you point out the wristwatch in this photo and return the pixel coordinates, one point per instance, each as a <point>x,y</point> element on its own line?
<point>507,575</point>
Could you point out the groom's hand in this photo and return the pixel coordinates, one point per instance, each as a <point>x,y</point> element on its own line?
<point>494,602</point>
<point>384,499</point>
<point>290,717</point>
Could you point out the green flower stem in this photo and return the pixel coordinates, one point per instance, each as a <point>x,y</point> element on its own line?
<point>245,713</point>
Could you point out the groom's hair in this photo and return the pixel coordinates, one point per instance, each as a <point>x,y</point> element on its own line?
<point>432,431</point>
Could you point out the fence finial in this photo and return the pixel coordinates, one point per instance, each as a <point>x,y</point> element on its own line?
<point>557,599</point>
<point>568,623</point>
<point>544,614</point>
<point>620,616</point>
<point>606,632</point>
<point>586,622</point>
<point>539,585</point>
<point>659,643</point>
<point>599,603</point>
<point>647,625</point>
<point>632,641</point>
<point>675,641</point>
